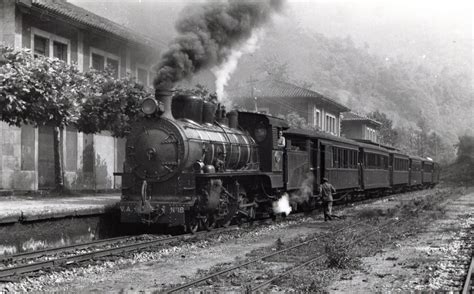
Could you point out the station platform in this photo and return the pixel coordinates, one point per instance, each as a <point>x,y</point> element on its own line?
<point>16,209</point>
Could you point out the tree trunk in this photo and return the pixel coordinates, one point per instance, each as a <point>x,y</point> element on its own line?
<point>58,154</point>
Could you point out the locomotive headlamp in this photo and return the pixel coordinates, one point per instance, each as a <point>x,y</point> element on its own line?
<point>149,106</point>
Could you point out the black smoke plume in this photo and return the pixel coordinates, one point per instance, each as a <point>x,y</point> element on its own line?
<point>207,33</point>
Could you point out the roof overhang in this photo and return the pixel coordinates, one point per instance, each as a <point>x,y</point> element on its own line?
<point>32,7</point>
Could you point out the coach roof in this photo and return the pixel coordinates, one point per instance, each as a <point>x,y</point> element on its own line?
<point>313,134</point>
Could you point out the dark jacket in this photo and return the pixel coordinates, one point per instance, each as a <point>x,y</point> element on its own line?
<point>326,191</point>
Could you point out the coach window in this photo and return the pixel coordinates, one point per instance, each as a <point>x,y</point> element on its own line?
<point>373,161</point>
<point>298,144</point>
<point>345,159</point>
<point>341,157</point>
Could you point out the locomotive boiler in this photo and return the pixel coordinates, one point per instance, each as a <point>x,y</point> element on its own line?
<point>176,156</point>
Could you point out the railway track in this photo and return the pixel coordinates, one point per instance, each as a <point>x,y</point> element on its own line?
<point>467,265</point>
<point>264,284</point>
<point>469,282</point>
<point>14,266</point>
<point>23,264</point>
<point>58,250</point>
<point>456,272</point>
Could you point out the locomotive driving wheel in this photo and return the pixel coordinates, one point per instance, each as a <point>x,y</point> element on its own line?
<point>192,223</point>
<point>196,222</point>
<point>249,208</point>
<point>207,222</point>
<point>229,205</point>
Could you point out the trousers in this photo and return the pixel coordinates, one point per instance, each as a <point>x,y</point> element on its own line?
<point>327,206</point>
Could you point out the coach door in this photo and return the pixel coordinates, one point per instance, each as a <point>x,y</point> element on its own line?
<point>322,162</point>
<point>298,161</point>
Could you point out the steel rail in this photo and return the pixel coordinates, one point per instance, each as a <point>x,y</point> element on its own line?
<point>314,258</point>
<point>468,283</point>
<point>32,267</point>
<point>39,253</point>
<point>202,279</point>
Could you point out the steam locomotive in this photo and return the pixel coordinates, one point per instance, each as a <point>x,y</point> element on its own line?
<point>191,164</point>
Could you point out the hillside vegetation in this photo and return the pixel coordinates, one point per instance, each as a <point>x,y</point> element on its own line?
<point>407,91</point>
<point>416,69</point>
<point>462,170</point>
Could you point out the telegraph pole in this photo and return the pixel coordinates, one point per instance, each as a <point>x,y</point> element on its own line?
<point>251,80</point>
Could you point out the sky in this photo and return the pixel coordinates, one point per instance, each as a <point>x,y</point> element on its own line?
<point>434,33</point>
<point>453,15</point>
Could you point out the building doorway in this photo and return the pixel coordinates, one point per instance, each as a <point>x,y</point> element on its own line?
<point>45,158</point>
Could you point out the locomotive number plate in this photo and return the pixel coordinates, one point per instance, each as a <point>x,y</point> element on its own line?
<point>175,209</point>
<point>166,208</point>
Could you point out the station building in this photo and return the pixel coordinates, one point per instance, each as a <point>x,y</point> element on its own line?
<point>280,98</point>
<point>359,127</point>
<point>56,28</point>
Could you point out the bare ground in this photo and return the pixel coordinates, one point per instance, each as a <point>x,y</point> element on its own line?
<point>419,262</point>
<point>405,260</point>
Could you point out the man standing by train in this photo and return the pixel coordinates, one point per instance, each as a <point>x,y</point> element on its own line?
<point>326,190</point>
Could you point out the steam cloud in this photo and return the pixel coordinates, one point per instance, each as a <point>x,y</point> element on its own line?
<point>282,205</point>
<point>223,71</point>
<point>306,189</point>
<point>208,34</point>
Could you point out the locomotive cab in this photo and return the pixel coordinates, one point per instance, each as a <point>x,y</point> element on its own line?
<point>264,129</point>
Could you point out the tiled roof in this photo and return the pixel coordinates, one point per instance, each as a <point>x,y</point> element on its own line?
<point>350,116</point>
<point>274,88</point>
<point>84,17</point>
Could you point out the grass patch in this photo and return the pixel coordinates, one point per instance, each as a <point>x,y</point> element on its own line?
<point>371,213</point>
<point>341,254</point>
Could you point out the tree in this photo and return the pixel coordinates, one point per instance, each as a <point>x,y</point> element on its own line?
<point>388,135</point>
<point>296,121</point>
<point>200,91</point>
<point>39,91</point>
<point>465,148</point>
<point>109,104</point>
<point>275,68</point>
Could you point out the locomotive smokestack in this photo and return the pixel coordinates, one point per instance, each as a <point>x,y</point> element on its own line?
<point>164,96</point>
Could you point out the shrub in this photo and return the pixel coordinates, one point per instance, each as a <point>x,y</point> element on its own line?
<point>341,254</point>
